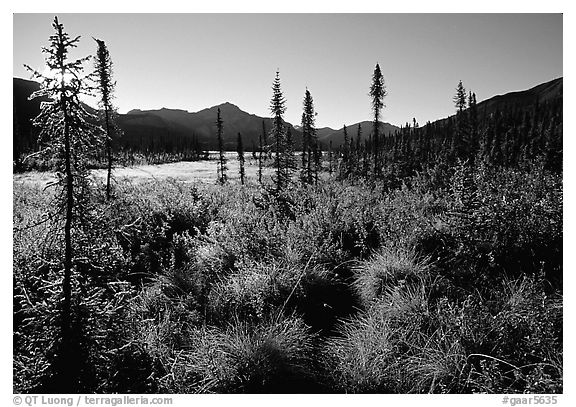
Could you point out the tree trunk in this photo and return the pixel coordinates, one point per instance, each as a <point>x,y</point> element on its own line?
<point>108,154</point>
<point>67,282</point>
<point>260,160</point>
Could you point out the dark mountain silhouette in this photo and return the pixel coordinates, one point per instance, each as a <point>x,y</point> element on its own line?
<point>518,101</point>
<point>172,124</point>
<point>202,125</point>
<point>522,100</point>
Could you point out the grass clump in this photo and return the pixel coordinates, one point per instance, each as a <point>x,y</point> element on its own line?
<point>275,356</point>
<point>389,267</point>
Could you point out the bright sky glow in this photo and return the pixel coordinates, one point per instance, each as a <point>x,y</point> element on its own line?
<point>194,61</point>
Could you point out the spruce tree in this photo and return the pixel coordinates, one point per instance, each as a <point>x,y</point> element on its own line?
<point>358,144</point>
<point>330,158</point>
<point>241,160</point>
<point>278,108</point>
<point>351,154</point>
<point>305,157</point>
<point>317,155</point>
<point>260,152</point>
<point>473,141</point>
<point>222,155</point>
<point>460,135</point>
<point>344,169</point>
<point>460,97</point>
<point>377,94</point>
<point>289,159</point>
<point>309,138</point>
<point>66,136</point>
<point>105,87</point>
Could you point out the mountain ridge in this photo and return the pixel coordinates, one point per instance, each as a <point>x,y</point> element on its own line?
<point>162,123</point>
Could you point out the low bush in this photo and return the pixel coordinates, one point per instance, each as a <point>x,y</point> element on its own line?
<point>274,356</point>
<point>389,267</point>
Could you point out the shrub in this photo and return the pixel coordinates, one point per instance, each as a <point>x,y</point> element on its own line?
<point>272,356</point>
<point>386,268</point>
<point>370,350</point>
<point>251,293</point>
<point>511,339</point>
<point>257,290</point>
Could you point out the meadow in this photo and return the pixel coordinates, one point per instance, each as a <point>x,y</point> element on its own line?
<point>450,282</point>
<point>203,171</point>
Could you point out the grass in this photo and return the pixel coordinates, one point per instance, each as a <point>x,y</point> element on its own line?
<point>185,171</point>
<point>275,356</point>
<point>353,287</point>
<point>389,267</point>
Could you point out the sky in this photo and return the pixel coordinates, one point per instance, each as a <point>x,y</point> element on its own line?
<point>195,61</point>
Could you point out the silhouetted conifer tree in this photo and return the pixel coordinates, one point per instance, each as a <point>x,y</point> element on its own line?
<point>330,158</point>
<point>460,97</point>
<point>241,161</point>
<point>260,152</point>
<point>222,155</point>
<point>317,155</point>
<point>358,143</point>
<point>308,138</point>
<point>289,159</point>
<point>105,87</point>
<point>377,94</point>
<point>67,137</point>
<point>459,135</point>
<point>278,108</point>
<point>345,166</point>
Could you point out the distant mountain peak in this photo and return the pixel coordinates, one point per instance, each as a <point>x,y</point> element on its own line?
<point>227,106</point>
<point>167,109</point>
<point>157,111</point>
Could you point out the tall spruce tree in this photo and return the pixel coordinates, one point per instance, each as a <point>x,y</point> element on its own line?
<point>460,135</point>
<point>304,153</point>
<point>308,138</point>
<point>460,97</point>
<point>105,87</point>
<point>241,160</point>
<point>358,145</point>
<point>278,108</point>
<point>377,94</point>
<point>222,168</point>
<point>67,137</point>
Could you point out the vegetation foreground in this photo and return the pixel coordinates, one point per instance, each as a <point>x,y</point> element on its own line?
<point>439,286</point>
